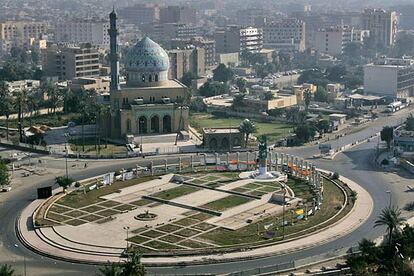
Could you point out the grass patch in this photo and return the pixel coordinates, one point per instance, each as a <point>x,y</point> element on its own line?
<point>257,193</point>
<point>153,234</point>
<point>58,209</point>
<point>57,217</point>
<point>203,226</point>
<point>186,222</point>
<point>105,148</point>
<point>240,190</point>
<point>75,222</point>
<point>92,209</point>
<point>109,203</point>
<point>301,189</point>
<point>176,192</point>
<point>171,238</point>
<point>141,202</point>
<point>252,186</point>
<point>138,239</point>
<point>198,181</point>
<point>107,213</point>
<point>187,233</point>
<point>91,218</point>
<point>139,230</point>
<point>268,189</point>
<point>193,244</point>
<point>161,245</point>
<point>273,130</point>
<point>211,178</point>
<point>78,199</point>
<point>169,228</point>
<point>226,203</point>
<point>125,207</point>
<point>201,216</point>
<point>76,214</point>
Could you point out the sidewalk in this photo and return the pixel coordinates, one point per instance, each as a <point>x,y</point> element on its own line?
<point>101,253</point>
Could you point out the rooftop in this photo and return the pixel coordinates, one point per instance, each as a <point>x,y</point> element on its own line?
<point>221,130</point>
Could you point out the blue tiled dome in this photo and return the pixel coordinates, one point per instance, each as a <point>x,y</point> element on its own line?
<point>147,57</point>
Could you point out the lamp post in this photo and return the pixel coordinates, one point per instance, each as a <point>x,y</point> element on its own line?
<point>390,198</point>
<point>24,260</point>
<point>66,154</point>
<point>127,234</point>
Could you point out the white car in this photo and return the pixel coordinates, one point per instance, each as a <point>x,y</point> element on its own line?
<point>6,189</point>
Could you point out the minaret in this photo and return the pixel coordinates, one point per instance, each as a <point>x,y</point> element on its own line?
<point>114,56</point>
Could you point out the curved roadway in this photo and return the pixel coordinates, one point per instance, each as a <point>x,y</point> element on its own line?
<point>355,164</point>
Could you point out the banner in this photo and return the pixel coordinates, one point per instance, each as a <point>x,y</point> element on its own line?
<point>300,217</point>
<point>266,227</point>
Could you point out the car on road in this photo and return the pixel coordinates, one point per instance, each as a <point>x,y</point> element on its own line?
<point>6,189</point>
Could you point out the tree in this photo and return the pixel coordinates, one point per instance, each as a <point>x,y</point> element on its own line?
<point>197,104</point>
<point>21,104</point>
<point>238,101</point>
<point>304,133</point>
<point>241,84</point>
<point>133,266</point>
<point>387,135</point>
<point>6,105</point>
<point>268,96</point>
<point>321,95</point>
<point>6,270</point>
<point>214,88</point>
<point>323,125</point>
<point>247,127</point>
<point>110,270</point>
<point>336,73</point>
<point>4,174</point>
<point>64,182</point>
<point>409,123</point>
<point>188,77</point>
<point>392,219</point>
<point>222,73</point>
<point>307,98</point>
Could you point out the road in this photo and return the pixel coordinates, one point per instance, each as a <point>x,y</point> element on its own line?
<point>354,164</point>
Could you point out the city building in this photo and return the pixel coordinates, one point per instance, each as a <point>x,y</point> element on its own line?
<point>208,45</point>
<point>20,34</point>
<point>233,39</point>
<point>98,84</point>
<point>94,32</point>
<point>186,60</point>
<point>222,139</point>
<point>404,140</point>
<point>390,77</point>
<point>333,40</point>
<point>359,35</point>
<point>149,102</point>
<point>285,35</point>
<point>382,26</point>
<point>17,86</point>
<point>251,17</point>
<point>178,14</point>
<point>140,14</point>
<point>71,62</point>
<point>167,31</point>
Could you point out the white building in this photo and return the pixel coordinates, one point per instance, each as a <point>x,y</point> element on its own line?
<point>333,40</point>
<point>393,78</point>
<point>286,34</point>
<point>234,39</point>
<point>87,31</point>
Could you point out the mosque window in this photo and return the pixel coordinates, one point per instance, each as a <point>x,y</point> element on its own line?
<point>150,78</point>
<point>156,77</point>
<point>143,78</point>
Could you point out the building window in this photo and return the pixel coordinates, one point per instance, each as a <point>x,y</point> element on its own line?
<point>143,78</point>
<point>128,126</point>
<point>150,78</point>
<point>156,77</point>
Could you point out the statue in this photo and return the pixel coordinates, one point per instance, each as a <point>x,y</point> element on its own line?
<point>262,155</point>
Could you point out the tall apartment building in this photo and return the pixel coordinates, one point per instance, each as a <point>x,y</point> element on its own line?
<point>333,40</point>
<point>94,32</point>
<point>234,39</point>
<point>140,14</point>
<point>382,26</point>
<point>390,77</point>
<point>68,63</point>
<point>186,60</point>
<point>20,34</point>
<point>287,34</point>
<point>168,31</point>
<point>178,14</point>
<point>208,45</point>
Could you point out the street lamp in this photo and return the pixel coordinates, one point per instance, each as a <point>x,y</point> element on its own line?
<point>127,234</point>
<point>24,259</point>
<point>66,154</point>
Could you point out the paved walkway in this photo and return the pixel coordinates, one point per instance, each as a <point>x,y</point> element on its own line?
<point>107,251</point>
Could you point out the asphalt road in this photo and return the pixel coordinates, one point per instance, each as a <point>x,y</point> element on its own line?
<point>354,164</point>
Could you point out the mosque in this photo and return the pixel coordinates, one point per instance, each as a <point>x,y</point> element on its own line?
<point>149,103</point>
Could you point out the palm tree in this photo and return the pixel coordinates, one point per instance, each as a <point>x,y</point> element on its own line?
<point>247,127</point>
<point>307,98</point>
<point>391,218</point>
<point>133,266</point>
<point>6,270</point>
<point>6,105</point>
<point>110,270</point>
<point>21,104</point>
<point>32,103</point>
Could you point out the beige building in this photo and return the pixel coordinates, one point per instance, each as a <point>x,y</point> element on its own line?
<point>299,91</point>
<point>20,34</point>
<point>186,60</point>
<point>233,39</point>
<point>286,34</point>
<point>100,85</point>
<point>68,63</point>
<point>94,32</point>
<point>208,45</point>
<point>178,14</point>
<point>333,40</point>
<point>382,26</point>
